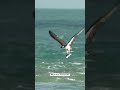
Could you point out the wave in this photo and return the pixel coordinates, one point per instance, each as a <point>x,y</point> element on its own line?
<point>82,73</point>
<point>75,63</point>
<point>71,79</point>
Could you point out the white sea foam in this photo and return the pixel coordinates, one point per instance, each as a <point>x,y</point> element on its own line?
<point>60,66</point>
<point>58,78</point>
<point>81,73</point>
<point>75,63</point>
<point>60,62</point>
<point>43,62</point>
<point>71,79</point>
<point>37,75</point>
<point>50,72</point>
<point>53,53</point>
<point>49,67</point>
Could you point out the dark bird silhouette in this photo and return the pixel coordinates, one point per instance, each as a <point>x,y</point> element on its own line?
<point>90,34</point>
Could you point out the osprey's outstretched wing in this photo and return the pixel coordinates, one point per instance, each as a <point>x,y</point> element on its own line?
<point>74,37</point>
<point>95,27</point>
<point>57,38</point>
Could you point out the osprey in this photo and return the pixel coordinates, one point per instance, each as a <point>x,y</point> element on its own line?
<point>67,46</point>
<point>90,34</point>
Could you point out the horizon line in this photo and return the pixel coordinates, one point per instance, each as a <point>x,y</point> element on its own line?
<point>61,8</point>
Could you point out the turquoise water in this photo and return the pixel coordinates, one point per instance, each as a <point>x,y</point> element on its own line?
<point>50,58</point>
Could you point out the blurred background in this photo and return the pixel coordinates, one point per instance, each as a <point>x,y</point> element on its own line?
<point>102,70</point>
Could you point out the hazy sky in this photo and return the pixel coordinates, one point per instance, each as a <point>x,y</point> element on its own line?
<point>60,4</point>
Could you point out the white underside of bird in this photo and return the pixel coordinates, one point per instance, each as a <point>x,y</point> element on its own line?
<point>68,50</point>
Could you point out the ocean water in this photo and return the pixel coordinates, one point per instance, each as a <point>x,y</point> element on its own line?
<point>50,58</point>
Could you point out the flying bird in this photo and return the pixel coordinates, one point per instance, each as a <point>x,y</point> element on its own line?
<point>66,46</point>
<point>90,34</point>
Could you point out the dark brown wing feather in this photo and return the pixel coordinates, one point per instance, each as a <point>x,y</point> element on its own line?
<point>57,38</point>
<point>95,27</point>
